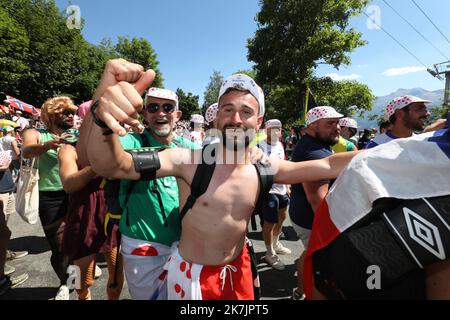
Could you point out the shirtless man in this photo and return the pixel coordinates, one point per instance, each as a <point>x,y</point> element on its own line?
<point>211,260</point>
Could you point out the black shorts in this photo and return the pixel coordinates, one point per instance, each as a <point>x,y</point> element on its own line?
<point>52,206</point>
<point>274,203</point>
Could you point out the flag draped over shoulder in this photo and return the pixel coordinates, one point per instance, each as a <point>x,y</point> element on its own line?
<point>409,168</point>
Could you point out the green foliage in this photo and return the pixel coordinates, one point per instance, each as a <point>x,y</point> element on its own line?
<point>14,44</point>
<point>438,113</point>
<point>41,57</point>
<point>188,104</point>
<point>212,90</point>
<point>293,38</point>
<point>347,97</point>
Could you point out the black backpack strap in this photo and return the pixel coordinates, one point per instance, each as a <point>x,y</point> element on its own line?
<point>200,183</point>
<point>265,175</point>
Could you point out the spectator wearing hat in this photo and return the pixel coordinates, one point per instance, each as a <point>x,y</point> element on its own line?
<point>349,128</point>
<point>407,114</point>
<point>345,145</point>
<point>212,135</point>
<point>197,133</point>
<point>150,224</point>
<point>274,211</point>
<point>321,133</point>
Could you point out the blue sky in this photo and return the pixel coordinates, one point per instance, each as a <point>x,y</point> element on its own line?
<point>192,38</point>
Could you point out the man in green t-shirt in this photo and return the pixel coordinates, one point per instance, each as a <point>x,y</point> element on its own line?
<point>150,222</point>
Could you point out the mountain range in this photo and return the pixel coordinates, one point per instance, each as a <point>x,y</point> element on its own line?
<point>436,97</point>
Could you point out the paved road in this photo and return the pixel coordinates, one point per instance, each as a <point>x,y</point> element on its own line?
<point>43,283</point>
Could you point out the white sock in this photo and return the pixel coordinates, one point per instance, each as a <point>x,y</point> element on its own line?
<point>270,249</point>
<point>276,239</point>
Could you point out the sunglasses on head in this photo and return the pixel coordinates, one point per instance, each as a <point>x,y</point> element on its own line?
<point>154,107</point>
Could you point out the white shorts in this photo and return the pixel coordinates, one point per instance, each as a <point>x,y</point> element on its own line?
<point>143,263</point>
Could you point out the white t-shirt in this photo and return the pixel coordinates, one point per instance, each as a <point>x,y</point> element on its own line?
<point>276,151</point>
<point>6,145</point>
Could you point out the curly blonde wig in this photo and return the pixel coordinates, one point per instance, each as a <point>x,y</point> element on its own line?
<point>54,107</point>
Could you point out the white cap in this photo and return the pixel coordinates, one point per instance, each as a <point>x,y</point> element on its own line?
<point>162,94</point>
<point>324,112</point>
<point>18,112</point>
<point>348,122</point>
<point>274,123</point>
<point>197,118</point>
<point>400,103</point>
<point>243,82</point>
<point>9,129</point>
<point>211,112</point>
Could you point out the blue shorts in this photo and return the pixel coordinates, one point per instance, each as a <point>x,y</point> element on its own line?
<point>274,204</point>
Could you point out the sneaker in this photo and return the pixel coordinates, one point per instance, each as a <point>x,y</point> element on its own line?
<point>275,262</point>
<point>297,296</point>
<point>98,272</point>
<point>280,249</point>
<point>63,293</point>
<point>13,255</point>
<point>9,269</point>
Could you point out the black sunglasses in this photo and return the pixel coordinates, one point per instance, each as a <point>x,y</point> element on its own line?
<point>154,107</point>
<point>68,113</point>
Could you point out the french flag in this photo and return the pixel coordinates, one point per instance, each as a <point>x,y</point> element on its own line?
<point>409,168</point>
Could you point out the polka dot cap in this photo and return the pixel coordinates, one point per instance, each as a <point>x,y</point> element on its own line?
<point>400,103</point>
<point>318,113</point>
<point>211,112</point>
<point>162,94</point>
<point>348,122</point>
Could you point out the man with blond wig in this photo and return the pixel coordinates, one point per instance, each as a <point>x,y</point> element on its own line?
<point>58,117</point>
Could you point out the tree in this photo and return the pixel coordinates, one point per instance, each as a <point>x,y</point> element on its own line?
<point>347,97</point>
<point>140,51</point>
<point>188,104</point>
<point>295,36</point>
<point>14,44</point>
<point>212,90</point>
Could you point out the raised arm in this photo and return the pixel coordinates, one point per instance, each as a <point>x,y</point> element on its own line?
<point>32,148</point>
<point>119,101</point>
<point>72,179</point>
<point>309,171</point>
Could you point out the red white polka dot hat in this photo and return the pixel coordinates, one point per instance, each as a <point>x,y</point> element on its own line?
<point>273,123</point>
<point>162,94</point>
<point>211,112</point>
<point>400,103</point>
<point>324,112</point>
<point>348,122</point>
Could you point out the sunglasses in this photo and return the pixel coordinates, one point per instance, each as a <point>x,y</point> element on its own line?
<point>154,107</point>
<point>68,113</point>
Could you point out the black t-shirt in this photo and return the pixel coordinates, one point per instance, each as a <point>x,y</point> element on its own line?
<point>308,148</point>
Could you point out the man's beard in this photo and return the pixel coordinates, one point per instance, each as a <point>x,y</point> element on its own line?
<point>414,125</point>
<point>328,140</point>
<point>238,140</point>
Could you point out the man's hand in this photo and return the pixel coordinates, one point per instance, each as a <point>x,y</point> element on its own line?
<point>119,94</point>
<point>55,143</point>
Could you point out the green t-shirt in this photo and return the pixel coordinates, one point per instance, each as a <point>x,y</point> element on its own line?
<point>49,179</point>
<point>145,216</point>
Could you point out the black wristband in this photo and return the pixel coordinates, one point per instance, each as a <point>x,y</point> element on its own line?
<point>146,162</point>
<point>97,121</point>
